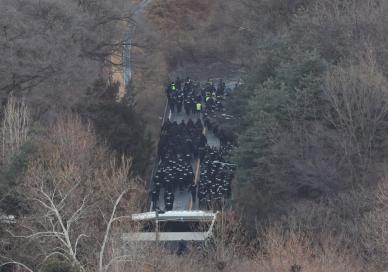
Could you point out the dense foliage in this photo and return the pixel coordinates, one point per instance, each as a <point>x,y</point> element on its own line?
<point>313,111</point>
<point>124,131</point>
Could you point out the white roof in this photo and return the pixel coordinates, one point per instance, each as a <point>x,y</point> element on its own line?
<point>176,216</point>
<point>165,236</point>
<point>7,219</point>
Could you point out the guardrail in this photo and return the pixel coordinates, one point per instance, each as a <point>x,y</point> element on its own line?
<point>156,161</point>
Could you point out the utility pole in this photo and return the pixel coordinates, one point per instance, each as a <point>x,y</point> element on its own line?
<point>157,212</point>
<point>157,225</point>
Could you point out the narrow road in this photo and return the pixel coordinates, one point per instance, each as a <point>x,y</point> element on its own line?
<point>211,177</point>
<point>182,199</point>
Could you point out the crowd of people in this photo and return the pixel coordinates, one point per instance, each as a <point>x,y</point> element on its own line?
<point>179,146</point>
<point>189,96</point>
<point>182,144</point>
<point>215,178</point>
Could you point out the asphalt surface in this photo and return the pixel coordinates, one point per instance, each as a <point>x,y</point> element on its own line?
<point>183,199</point>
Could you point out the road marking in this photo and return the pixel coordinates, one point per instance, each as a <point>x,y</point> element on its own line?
<point>197,167</point>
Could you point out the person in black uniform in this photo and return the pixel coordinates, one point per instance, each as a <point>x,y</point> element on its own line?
<point>154,198</point>
<point>193,191</point>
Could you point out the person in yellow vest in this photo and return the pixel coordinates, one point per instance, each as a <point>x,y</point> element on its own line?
<point>198,107</point>
<point>173,87</point>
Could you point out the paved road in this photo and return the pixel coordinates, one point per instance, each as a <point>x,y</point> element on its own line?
<point>183,200</point>
<point>178,117</point>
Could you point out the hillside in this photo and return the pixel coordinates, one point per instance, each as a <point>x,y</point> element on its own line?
<point>286,154</point>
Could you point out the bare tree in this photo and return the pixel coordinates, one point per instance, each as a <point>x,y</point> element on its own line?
<point>79,200</point>
<point>357,109</point>
<point>52,51</point>
<point>14,128</point>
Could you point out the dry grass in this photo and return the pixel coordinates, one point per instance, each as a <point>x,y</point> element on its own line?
<point>293,250</point>
<point>280,252</point>
<point>375,230</point>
